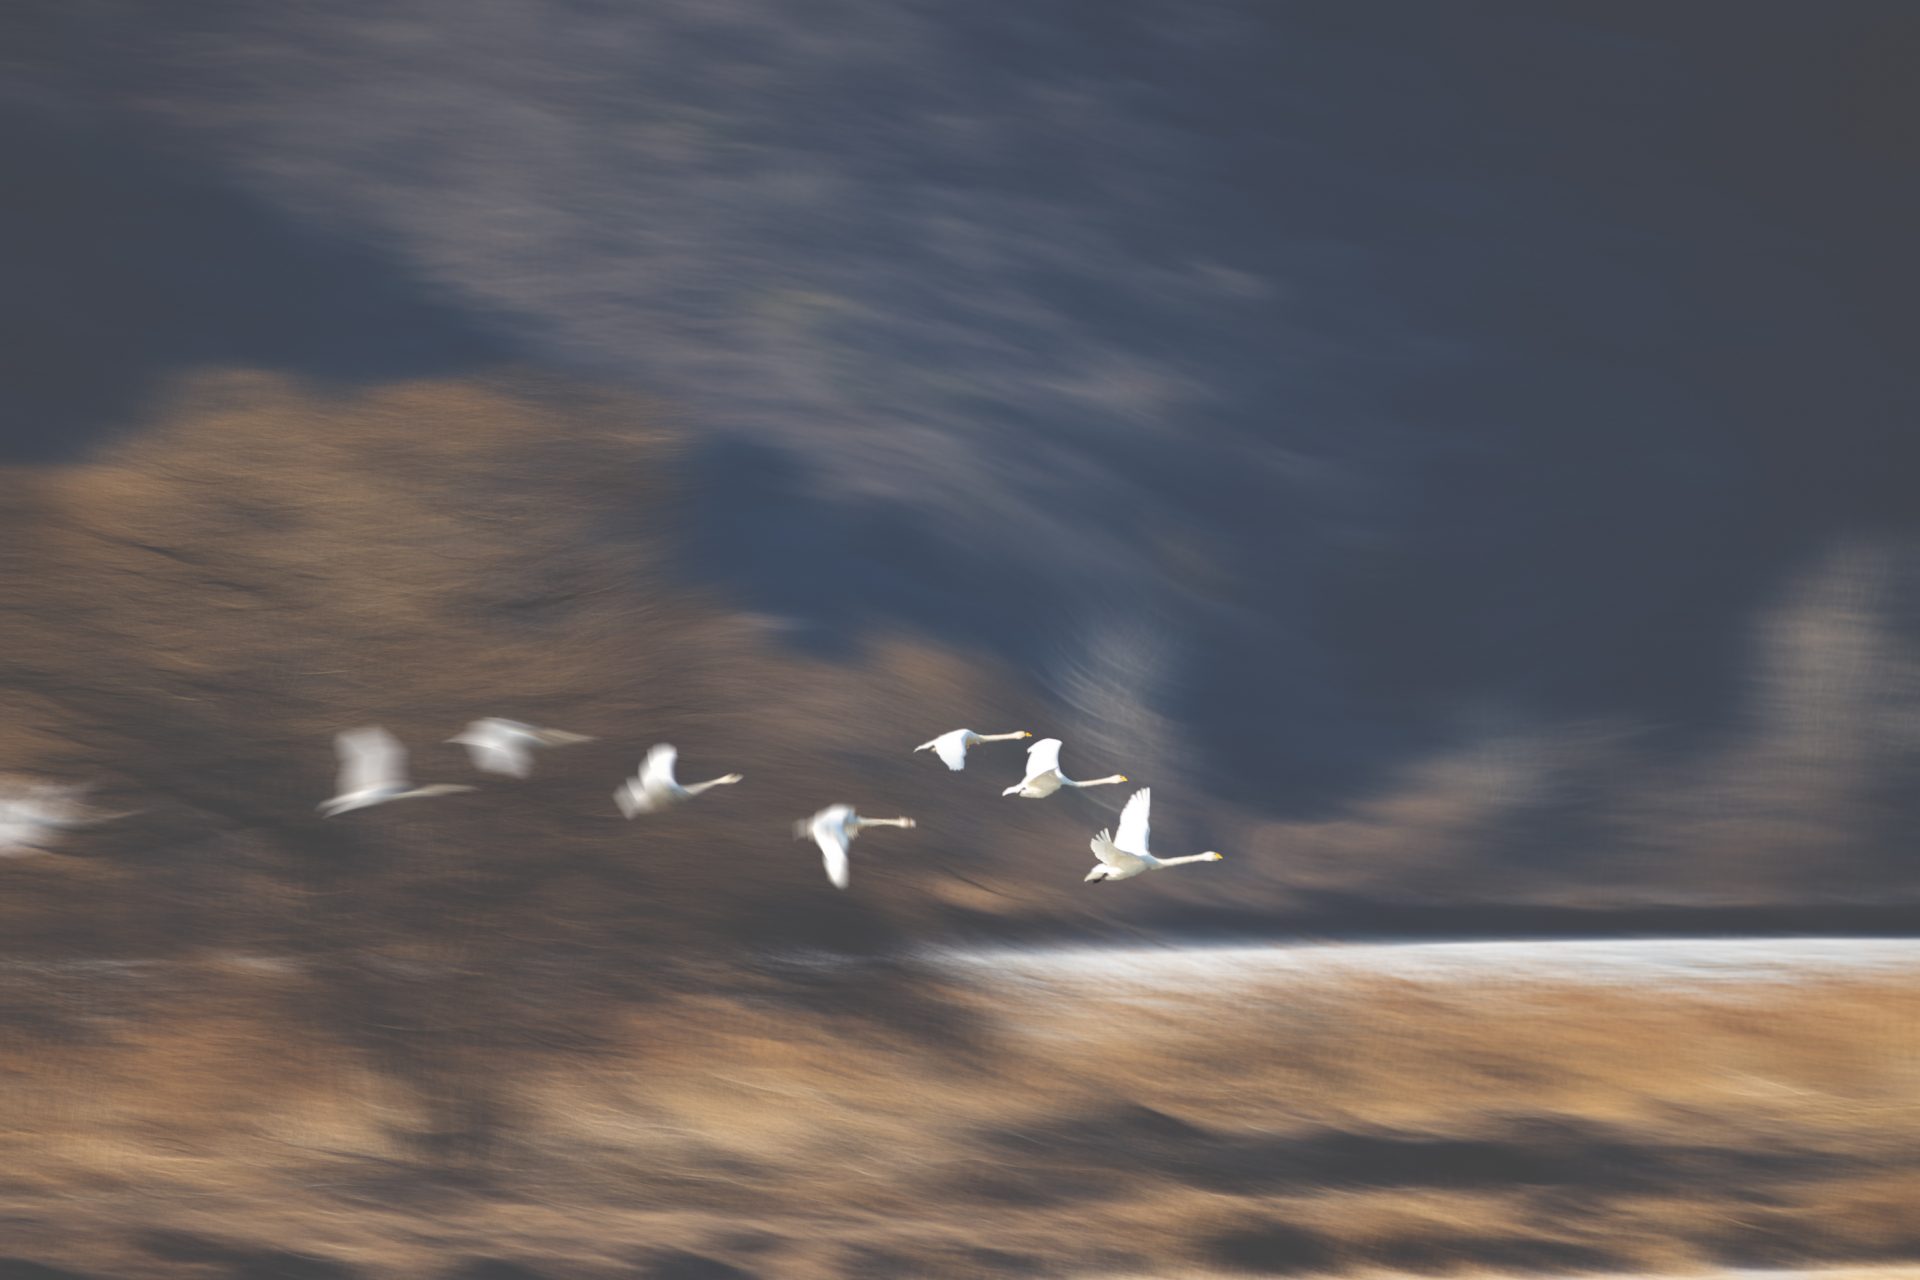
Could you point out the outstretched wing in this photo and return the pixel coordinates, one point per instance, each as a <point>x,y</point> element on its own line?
<point>1043,757</point>
<point>1108,852</point>
<point>498,746</point>
<point>1133,822</point>
<point>952,749</point>
<point>830,833</point>
<point>656,773</point>
<point>370,758</point>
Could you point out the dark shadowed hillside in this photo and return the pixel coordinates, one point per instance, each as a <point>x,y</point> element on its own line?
<point>1353,382</point>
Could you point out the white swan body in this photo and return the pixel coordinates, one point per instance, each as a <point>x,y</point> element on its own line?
<point>1044,776</point>
<point>952,747</point>
<point>1125,856</point>
<point>29,816</point>
<point>506,746</point>
<point>833,829</point>
<point>654,788</point>
<point>373,770</point>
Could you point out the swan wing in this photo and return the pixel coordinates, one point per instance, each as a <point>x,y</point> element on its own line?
<point>1113,855</point>
<point>502,757</point>
<point>370,759</point>
<point>498,746</point>
<point>1043,757</point>
<point>1133,821</point>
<point>830,833</point>
<point>656,772</point>
<point>952,749</point>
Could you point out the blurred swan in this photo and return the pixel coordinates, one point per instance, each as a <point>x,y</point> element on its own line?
<point>373,770</point>
<point>1044,776</point>
<point>833,829</point>
<point>952,747</point>
<point>506,746</point>
<point>37,810</point>
<point>1126,856</point>
<point>653,788</point>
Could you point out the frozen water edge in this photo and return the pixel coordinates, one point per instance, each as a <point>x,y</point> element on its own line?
<point>1594,962</point>
<point>1687,961</point>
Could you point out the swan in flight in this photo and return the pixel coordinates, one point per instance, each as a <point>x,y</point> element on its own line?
<point>373,770</point>
<point>653,788</point>
<point>1044,776</point>
<point>952,747</point>
<point>1126,856</point>
<point>27,817</point>
<point>833,829</point>
<point>506,746</point>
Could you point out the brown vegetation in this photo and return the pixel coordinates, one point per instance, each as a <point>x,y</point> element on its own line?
<point>1321,1125</point>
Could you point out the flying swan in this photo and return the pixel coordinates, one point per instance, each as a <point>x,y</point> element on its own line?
<point>1126,857</point>
<point>653,788</point>
<point>373,770</point>
<point>833,829</point>
<point>1044,776</point>
<point>952,747</point>
<point>506,746</point>
<point>28,816</point>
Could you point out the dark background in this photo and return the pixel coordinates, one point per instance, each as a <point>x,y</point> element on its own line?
<point>1328,384</point>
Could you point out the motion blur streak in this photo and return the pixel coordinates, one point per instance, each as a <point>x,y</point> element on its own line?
<point>1460,457</point>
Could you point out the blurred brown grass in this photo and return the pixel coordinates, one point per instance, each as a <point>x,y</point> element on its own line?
<point>1324,1124</point>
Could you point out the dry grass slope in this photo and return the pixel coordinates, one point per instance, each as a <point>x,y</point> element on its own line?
<point>1338,1125</point>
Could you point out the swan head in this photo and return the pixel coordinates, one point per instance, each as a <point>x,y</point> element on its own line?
<point>1211,856</point>
<point>1124,778</point>
<point>1026,733</point>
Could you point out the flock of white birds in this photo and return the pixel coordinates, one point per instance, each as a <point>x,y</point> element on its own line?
<point>373,770</point>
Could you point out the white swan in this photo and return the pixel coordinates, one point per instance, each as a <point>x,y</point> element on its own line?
<point>952,747</point>
<point>833,829</point>
<point>506,746</point>
<point>28,816</point>
<point>1044,776</point>
<point>1125,857</point>
<point>653,788</point>
<point>373,770</point>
